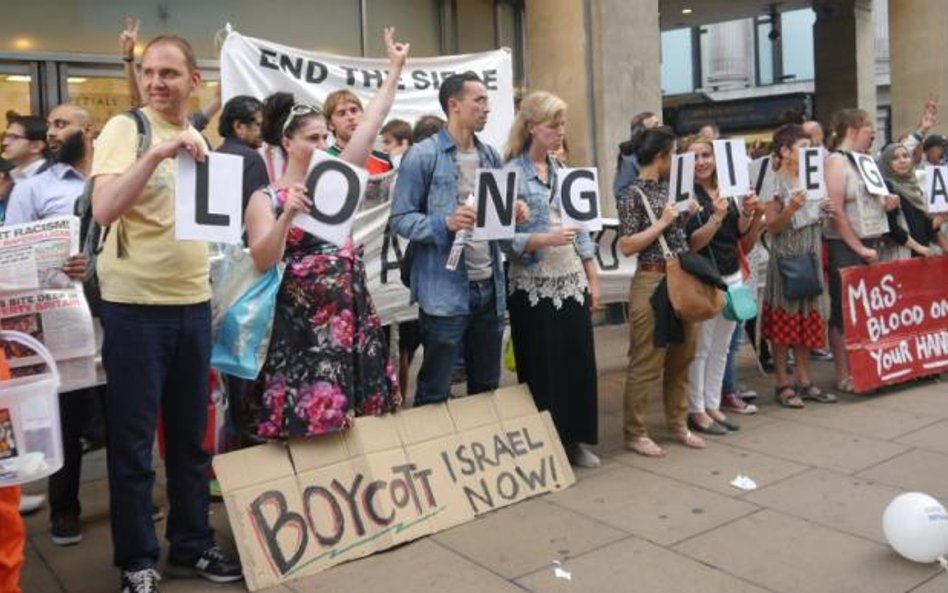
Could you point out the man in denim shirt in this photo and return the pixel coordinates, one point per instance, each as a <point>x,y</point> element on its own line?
<point>465,306</point>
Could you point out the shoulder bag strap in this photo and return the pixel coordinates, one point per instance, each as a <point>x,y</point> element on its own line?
<point>651,216</point>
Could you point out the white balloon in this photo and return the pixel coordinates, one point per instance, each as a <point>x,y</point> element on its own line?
<point>916,526</point>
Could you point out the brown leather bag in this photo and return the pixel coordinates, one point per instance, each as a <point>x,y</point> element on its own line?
<point>691,299</point>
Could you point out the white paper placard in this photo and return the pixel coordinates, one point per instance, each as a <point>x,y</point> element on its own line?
<point>936,188</point>
<point>336,189</point>
<point>811,172</point>
<point>681,182</point>
<point>730,160</point>
<point>761,174</point>
<point>577,192</point>
<point>208,198</point>
<point>866,165</point>
<point>495,192</point>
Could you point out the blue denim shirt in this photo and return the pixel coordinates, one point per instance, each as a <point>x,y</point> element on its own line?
<point>537,196</point>
<point>628,172</point>
<point>426,193</point>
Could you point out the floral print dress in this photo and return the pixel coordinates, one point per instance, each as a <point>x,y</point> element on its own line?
<point>328,361</point>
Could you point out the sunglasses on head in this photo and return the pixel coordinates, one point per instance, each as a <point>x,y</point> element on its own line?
<point>300,110</point>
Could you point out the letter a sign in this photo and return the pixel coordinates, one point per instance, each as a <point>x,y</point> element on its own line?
<point>207,198</point>
<point>495,200</point>
<point>936,186</point>
<point>578,191</point>
<point>336,188</point>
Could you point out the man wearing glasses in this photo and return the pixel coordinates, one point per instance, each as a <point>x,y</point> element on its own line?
<point>240,127</point>
<point>24,143</point>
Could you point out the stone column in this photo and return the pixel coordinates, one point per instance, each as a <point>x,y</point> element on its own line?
<point>731,60</point>
<point>603,58</point>
<point>844,52</point>
<point>918,46</point>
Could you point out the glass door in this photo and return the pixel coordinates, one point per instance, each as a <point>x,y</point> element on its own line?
<point>19,88</point>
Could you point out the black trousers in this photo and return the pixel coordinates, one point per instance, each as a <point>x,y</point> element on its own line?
<point>77,409</point>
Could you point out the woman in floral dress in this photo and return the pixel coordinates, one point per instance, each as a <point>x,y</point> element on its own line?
<point>328,361</point>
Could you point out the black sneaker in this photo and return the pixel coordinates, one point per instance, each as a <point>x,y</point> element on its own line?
<point>213,564</point>
<point>64,529</point>
<point>140,581</point>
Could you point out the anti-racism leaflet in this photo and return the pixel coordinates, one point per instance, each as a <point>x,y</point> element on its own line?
<point>39,299</point>
<point>301,508</point>
<point>896,320</point>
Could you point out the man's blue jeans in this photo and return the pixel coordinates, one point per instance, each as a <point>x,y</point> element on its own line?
<point>157,358</point>
<point>479,333</point>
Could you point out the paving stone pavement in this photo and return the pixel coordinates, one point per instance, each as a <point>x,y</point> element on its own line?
<point>671,525</point>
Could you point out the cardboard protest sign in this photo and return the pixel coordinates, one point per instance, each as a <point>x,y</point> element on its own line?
<point>577,193</point>
<point>730,161</point>
<point>895,319</point>
<point>207,198</point>
<point>871,176</point>
<point>299,509</point>
<point>811,173</point>
<point>936,188</point>
<point>681,186</point>
<point>495,199</point>
<point>335,188</point>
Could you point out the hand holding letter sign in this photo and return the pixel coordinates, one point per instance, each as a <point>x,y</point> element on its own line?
<point>730,160</point>
<point>578,193</point>
<point>335,188</point>
<point>870,174</point>
<point>682,180</point>
<point>811,173</point>
<point>936,188</point>
<point>208,198</point>
<point>496,195</point>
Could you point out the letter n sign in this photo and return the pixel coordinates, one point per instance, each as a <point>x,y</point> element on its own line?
<point>578,191</point>
<point>336,189</point>
<point>208,198</point>
<point>936,188</point>
<point>495,200</point>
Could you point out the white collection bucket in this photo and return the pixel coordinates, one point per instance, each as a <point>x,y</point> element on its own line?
<point>31,446</point>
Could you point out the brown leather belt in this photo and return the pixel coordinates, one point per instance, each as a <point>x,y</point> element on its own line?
<point>653,267</point>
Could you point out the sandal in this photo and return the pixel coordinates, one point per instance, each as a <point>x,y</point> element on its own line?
<point>645,447</point>
<point>845,386</point>
<point>813,393</point>
<point>689,439</point>
<point>787,397</point>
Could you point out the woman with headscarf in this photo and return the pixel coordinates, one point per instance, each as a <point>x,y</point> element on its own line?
<point>897,168</point>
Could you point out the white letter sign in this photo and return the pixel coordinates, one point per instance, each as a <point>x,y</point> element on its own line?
<point>936,188</point>
<point>496,197</point>
<point>811,172</point>
<point>207,198</point>
<point>681,186</point>
<point>762,176</point>
<point>578,191</point>
<point>730,160</point>
<point>336,188</point>
<point>870,174</point>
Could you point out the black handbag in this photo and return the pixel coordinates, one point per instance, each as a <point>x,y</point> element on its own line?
<point>800,276</point>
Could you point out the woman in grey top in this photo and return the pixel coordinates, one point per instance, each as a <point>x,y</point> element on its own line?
<point>794,225</point>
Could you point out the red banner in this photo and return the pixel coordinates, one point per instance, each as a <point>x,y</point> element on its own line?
<point>896,320</point>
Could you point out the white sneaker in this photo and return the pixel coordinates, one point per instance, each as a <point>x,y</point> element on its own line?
<point>30,503</point>
<point>580,456</point>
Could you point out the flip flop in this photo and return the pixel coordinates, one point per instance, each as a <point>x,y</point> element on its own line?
<point>787,397</point>
<point>690,439</point>
<point>645,447</point>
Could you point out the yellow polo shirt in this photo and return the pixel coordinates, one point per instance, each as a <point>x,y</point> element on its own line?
<point>153,268</point>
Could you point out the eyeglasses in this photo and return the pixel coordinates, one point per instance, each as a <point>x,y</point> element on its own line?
<point>11,136</point>
<point>299,110</point>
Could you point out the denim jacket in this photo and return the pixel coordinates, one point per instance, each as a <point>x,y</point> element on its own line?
<point>537,196</point>
<point>426,193</point>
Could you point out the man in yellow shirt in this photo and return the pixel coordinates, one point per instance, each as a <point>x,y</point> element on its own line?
<point>156,319</point>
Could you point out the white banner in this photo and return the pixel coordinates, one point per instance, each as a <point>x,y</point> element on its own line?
<point>260,68</point>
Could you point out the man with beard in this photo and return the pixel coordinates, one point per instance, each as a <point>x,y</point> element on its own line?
<point>46,195</point>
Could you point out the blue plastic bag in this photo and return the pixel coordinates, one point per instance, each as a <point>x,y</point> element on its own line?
<point>243,335</point>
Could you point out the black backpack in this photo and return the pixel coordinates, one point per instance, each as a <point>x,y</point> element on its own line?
<point>92,235</point>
